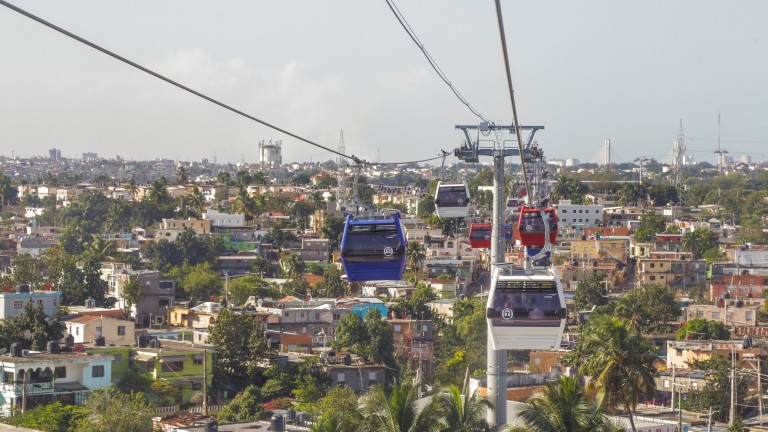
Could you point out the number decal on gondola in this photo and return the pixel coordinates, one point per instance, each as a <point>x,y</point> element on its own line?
<point>507,314</point>
<point>388,251</point>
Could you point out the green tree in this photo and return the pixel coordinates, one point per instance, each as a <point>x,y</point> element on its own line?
<point>164,392</point>
<point>699,241</point>
<point>34,329</point>
<point>394,409</point>
<point>381,341</point>
<point>718,389</point>
<point>333,228</point>
<point>110,410</point>
<point>293,265</point>
<point>738,425</point>
<point>53,417</point>
<point>246,203</point>
<point>648,306</point>
<point>591,292</point>
<point>461,344</point>
<point>197,200</point>
<point>340,402</point>
<point>182,177</point>
<point>242,288</point>
<point>650,225</point>
<point>350,333</point>
<point>620,362</point>
<point>702,329</point>
<point>244,407</point>
<point>463,413</point>
<point>415,307</point>
<point>332,285</point>
<point>27,270</point>
<point>200,282</point>
<point>562,407</point>
<point>241,346</point>
<point>133,293</point>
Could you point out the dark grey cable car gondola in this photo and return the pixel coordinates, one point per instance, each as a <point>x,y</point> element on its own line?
<point>525,310</point>
<point>452,200</point>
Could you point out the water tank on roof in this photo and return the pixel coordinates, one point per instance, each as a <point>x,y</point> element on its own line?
<point>746,342</point>
<point>69,341</point>
<point>143,341</point>
<point>212,426</point>
<point>277,423</point>
<point>90,303</point>
<point>16,349</point>
<point>99,341</point>
<point>347,360</point>
<point>727,295</point>
<point>291,414</point>
<point>22,289</point>
<point>739,303</point>
<point>154,343</point>
<point>53,347</point>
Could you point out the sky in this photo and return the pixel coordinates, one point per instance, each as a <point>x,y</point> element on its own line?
<point>586,70</point>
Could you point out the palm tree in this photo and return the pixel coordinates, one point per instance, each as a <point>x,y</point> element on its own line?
<point>562,407</point>
<point>101,249</point>
<point>131,187</point>
<point>620,362</point>
<point>182,177</point>
<point>562,187</point>
<point>467,415</point>
<point>197,200</point>
<point>158,193</point>
<point>699,241</point>
<point>415,255</point>
<point>294,266</point>
<point>245,203</point>
<point>394,409</point>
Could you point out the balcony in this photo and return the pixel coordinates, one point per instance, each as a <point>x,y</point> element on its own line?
<point>32,388</point>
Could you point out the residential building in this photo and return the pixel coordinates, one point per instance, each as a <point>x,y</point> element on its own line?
<point>736,314</point>
<point>159,292</point>
<point>86,328</point>
<point>35,246</point>
<point>415,339</point>
<point>62,377</point>
<point>12,303</point>
<point>219,219</point>
<point>681,354</point>
<point>358,377</point>
<point>677,270</point>
<point>622,216</point>
<point>179,363</point>
<point>314,250</point>
<point>569,214</point>
<point>737,281</point>
<point>202,316</point>
<point>613,248</point>
<point>199,226</point>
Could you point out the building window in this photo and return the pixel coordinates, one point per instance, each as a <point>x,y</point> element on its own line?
<point>666,383</point>
<point>341,378</point>
<point>748,315</point>
<point>198,360</point>
<point>173,366</point>
<point>60,372</point>
<point>699,314</point>
<point>77,331</point>
<point>287,314</point>
<point>398,328</point>
<point>118,358</point>
<point>317,316</point>
<point>197,386</point>
<point>336,316</point>
<point>653,278</point>
<point>18,304</point>
<point>149,365</point>
<point>97,371</point>
<point>39,302</point>
<point>653,265</point>
<point>715,315</point>
<point>371,378</point>
<point>121,330</point>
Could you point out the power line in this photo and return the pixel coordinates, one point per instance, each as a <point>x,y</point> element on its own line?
<point>168,80</point>
<point>440,73</point>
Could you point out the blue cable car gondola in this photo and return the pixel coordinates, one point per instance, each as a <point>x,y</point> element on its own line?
<point>373,248</point>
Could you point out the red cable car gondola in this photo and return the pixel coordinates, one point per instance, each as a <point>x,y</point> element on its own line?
<point>480,235</point>
<point>531,226</point>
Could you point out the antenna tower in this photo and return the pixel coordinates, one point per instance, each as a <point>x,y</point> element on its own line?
<point>720,152</point>
<point>342,187</point>
<point>607,154</point>
<point>678,153</point>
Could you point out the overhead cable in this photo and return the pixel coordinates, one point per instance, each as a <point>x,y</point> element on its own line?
<point>512,97</point>
<point>170,81</point>
<point>432,62</point>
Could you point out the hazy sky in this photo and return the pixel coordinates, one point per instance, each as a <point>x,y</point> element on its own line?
<point>586,70</point>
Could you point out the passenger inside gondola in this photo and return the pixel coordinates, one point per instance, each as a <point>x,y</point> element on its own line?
<point>451,197</point>
<point>373,243</point>
<point>521,308</point>
<point>480,234</point>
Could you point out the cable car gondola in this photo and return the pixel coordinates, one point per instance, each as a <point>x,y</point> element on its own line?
<point>531,226</point>
<point>452,200</point>
<point>525,310</point>
<point>480,235</point>
<point>373,248</point>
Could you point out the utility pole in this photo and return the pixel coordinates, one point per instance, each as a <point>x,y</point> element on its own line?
<point>24,382</point>
<point>760,390</point>
<point>641,160</point>
<point>205,382</point>
<point>709,420</point>
<point>733,386</point>
<point>673,387</point>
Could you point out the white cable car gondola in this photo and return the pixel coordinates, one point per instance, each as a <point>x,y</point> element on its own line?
<point>452,200</point>
<point>526,309</point>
